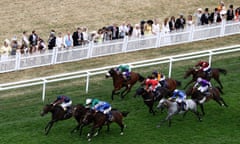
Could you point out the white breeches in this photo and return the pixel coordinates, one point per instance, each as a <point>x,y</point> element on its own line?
<point>64,105</point>
<point>106,111</point>
<point>179,100</point>
<point>205,69</point>
<point>203,89</point>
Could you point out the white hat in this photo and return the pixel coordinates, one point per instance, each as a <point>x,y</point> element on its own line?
<point>7,41</point>
<point>88,101</point>
<point>199,9</point>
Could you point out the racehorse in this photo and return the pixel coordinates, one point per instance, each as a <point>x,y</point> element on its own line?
<point>57,114</point>
<point>119,82</point>
<point>173,109</point>
<point>148,97</point>
<point>215,74</point>
<point>79,112</point>
<point>172,84</point>
<point>99,119</point>
<point>214,93</point>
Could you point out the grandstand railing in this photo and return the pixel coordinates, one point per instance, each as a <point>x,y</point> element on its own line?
<point>140,64</point>
<point>127,44</point>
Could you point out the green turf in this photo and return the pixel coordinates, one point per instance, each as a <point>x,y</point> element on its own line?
<point>20,121</point>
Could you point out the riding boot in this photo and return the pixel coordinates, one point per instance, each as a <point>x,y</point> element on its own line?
<point>109,116</point>
<point>183,106</point>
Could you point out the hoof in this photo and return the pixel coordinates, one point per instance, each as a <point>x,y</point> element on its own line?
<point>121,133</point>
<point>89,139</point>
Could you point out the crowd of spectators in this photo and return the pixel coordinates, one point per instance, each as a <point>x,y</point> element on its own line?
<point>32,43</point>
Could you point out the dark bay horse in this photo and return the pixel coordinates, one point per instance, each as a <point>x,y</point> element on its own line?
<point>79,112</point>
<point>99,119</point>
<point>172,84</point>
<point>119,82</point>
<point>57,114</point>
<point>173,109</point>
<point>215,74</point>
<point>148,97</point>
<point>200,98</point>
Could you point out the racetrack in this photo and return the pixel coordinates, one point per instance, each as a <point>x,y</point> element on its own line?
<point>21,122</point>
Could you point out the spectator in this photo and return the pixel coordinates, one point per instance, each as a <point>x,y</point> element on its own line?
<point>60,41</point>
<point>148,27</point>
<point>77,37</point>
<point>230,13</point>
<point>115,31</point>
<point>25,42</point>
<point>165,27</point>
<point>68,40</point>
<point>171,24</point>
<point>142,23</point>
<point>136,31</point>
<point>123,30</point>
<point>155,27</point>
<point>237,12</point>
<point>215,16</point>
<point>205,17</point>
<point>221,8</point>
<point>189,22</point>
<point>180,22</point>
<point>33,38</point>
<point>41,45</point>
<point>198,16</point>
<point>5,50</point>
<point>85,35</point>
<point>130,29</point>
<point>51,40</point>
<point>14,45</point>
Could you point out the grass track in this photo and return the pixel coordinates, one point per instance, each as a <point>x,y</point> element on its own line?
<point>21,123</point>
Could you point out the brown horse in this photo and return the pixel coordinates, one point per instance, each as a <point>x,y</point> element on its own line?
<point>171,84</point>
<point>57,114</point>
<point>79,112</point>
<point>200,98</point>
<point>99,119</point>
<point>119,82</point>
<point>149,98</point>
<point>215,74</point>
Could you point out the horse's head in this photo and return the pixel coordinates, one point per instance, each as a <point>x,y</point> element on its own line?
<point>110,73</point>
<point>47,108</point>
<point>190,71</point>
<point>88,117</point>
<point>161,103</point>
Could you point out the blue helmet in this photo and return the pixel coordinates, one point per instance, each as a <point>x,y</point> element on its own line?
<point>59,97</point>
<point>155,72</point>
<point>175,91</point>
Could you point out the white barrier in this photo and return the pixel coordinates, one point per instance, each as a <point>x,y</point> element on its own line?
<point>57,56</point>
<point>87,73</point>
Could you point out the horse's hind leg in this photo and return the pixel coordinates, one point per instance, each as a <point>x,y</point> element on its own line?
<point>223,102</point>
<point>219,82</point>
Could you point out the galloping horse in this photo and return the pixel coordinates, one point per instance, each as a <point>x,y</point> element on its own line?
<point>119,82</point>
<point>148,97</point>
<point>79,112</point>
<point>99,119</point>
<point>173,109</point>
<point>172,84</point>
<point>214,93</point>
<point>57,114</point>
<point>215,74</point>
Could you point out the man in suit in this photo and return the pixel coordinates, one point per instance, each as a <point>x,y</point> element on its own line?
<point>77,37</point>
<point>205,17</point>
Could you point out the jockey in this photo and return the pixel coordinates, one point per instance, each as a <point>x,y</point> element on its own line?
<point>160,77</point>
<point>152,84</point>
<point>101,106</point>
<point>204,66</point>
<point>65,102</point>
<point>125,70</point>
<point>180,97</point>
<point>202,85</point>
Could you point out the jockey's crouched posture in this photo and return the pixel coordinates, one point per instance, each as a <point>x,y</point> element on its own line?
<point>100,106</point>
<point>203,86</point>
<point>205,67</point>
<point>65,102</point>
<point>152,85</point>
<point>180,97</point>
<point>125,70</point>
<point>160,77</point>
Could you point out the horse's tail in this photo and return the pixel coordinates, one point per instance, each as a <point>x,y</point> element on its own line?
<point>141,78</point>
<point>222,71</point>
<point>125,113</point>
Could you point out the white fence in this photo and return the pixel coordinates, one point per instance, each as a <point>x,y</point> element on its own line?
<point>88,73</point>
<point>57,56</point>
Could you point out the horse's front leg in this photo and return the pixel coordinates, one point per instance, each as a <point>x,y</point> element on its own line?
<point>127,90</point>
<point>48,127</point>
<point>76,128</point>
